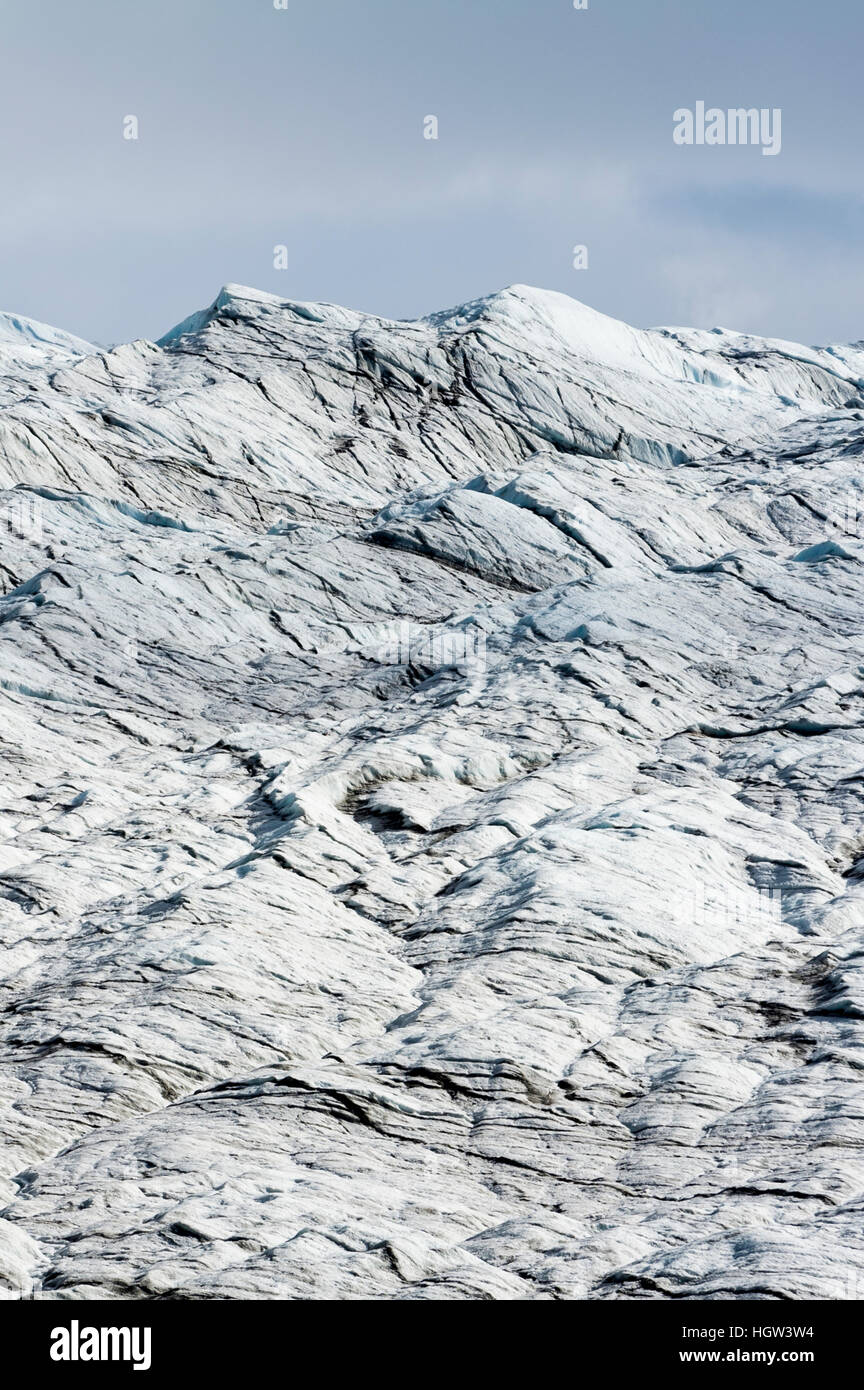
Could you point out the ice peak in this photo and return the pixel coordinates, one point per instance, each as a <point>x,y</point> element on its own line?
<point>16,331</point>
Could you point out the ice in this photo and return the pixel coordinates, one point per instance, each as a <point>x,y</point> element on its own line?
<point>430,842</point>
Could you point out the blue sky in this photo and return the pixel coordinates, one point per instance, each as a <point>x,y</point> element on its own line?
<point>304,127</point>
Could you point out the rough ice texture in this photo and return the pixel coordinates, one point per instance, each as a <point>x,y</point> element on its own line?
<point>431,826</point>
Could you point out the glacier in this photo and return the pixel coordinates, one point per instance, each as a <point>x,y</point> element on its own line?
<point>431,845</point>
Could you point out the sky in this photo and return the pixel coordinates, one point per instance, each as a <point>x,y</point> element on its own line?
<point>303,127</point>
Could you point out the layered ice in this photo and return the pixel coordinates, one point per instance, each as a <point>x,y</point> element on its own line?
<point>431,835</point>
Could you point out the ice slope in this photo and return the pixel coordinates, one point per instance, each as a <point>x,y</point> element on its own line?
<point>431,834</point>
<point>26,344</point>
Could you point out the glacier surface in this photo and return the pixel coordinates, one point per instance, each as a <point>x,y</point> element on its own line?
<point>431,841</point>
